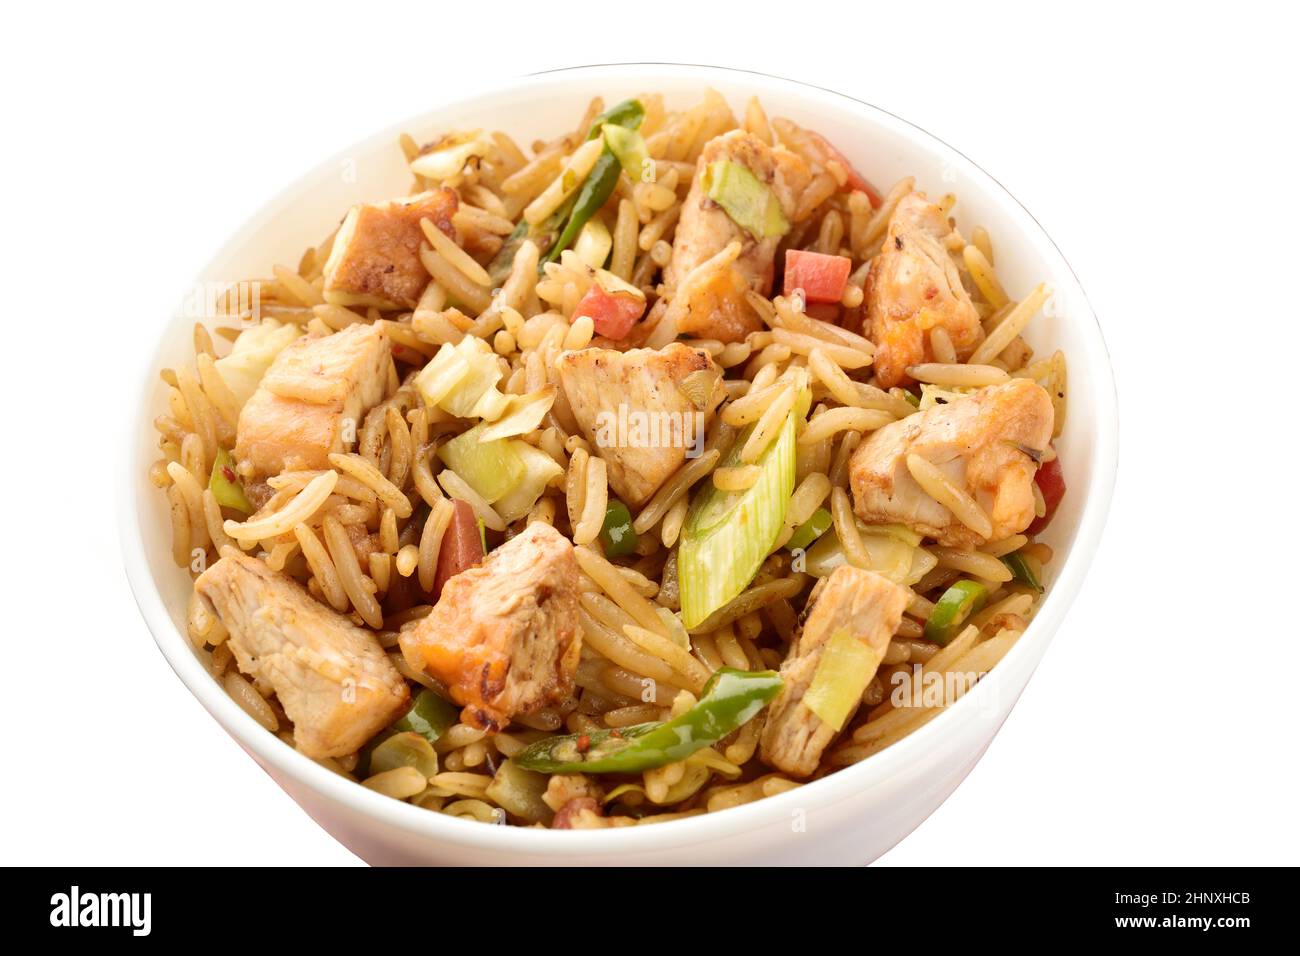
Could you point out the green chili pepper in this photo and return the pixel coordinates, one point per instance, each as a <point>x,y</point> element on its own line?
<point>429,716</point>
<point>616,534</point>
<point>953,609</point>
<point>224,484</point>
<point>1022,570</point>
<point>731,698</point>
<point>628,113</point>
<point>810,530</point>
<point>600,182</point>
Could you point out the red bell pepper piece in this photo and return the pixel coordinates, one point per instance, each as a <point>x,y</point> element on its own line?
<point>612,315</point>
<point>821,277</point>
<point>1051,483</point>
<point>855,181</point>
<point>462,547</point>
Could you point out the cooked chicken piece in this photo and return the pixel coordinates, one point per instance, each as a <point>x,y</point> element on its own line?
<point>986,444</point>
<point>504,635</point>
<point>331,677</point>
<point>912,287</point>
<point>642,410</point>
<point>866,605</point>
<point>311,400</point>
<point>714,306</point>
<point>375,259</point>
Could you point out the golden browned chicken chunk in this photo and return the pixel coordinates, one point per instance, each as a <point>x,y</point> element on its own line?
<point>375,259</point>
<point>643,410</point>
<point>504,635</point>
<point>851,602</point>
<point>912,288</point>
<point>310,401</point>
<point>987,445</point>
<point>713,306</point>
<point>331,677</point>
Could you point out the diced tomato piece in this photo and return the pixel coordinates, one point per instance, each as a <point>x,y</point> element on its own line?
<point>821,277</point>
<point>855,180</point>
<point>1051,483</point>
<point>612,315</point>
<point>462,547</point>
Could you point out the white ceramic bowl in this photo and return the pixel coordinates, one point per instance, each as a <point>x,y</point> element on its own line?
<point>850,817</point>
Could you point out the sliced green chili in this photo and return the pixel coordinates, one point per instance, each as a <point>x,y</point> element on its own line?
<point>953,609</point>
<point>730,699</point>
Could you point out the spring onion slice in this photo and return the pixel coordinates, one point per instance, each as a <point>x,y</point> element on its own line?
<point>728,534</point>
<point>749,201</point>
<point>846,667</point>
<point>810,530</point>
<point>953,609</point>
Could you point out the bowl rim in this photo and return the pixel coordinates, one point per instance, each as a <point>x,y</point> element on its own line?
<point>269,751</point>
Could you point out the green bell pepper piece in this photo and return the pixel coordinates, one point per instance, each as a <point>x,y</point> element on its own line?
<point>429,716</point>
<point>617,536</point>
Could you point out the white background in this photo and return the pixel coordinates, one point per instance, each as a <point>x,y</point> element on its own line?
<point>1156,147</point>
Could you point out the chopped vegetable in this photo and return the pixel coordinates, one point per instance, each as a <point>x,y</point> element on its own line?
<point>404,749</point>
<point>616,535</point>
<point>449,155</point>
<point>594,243</point>
<point>628,145</point>
<point>1051,482</point>
<point>429,716</point>
<point>842,674</point>
<point>519,792</point>
<point>521,414</point>
<point>855,179</point>
<point>491,468</point>
<point>600,182</point>
<point>810,530</point>
<point>252,354</point>
<point>731,699</point>
<point>953,609</point>
<point>482,534</point>
<point>501,264</point>
<point>746,199</point>
<point>540,469</point>
<point>613,310</point>
<point>461,380</point>
<point>821,277</point>
<point>627,113</point>
<point>462,545</point>
<point>727,534</point>
<point>225,485</point>
<point>1025,570</point>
